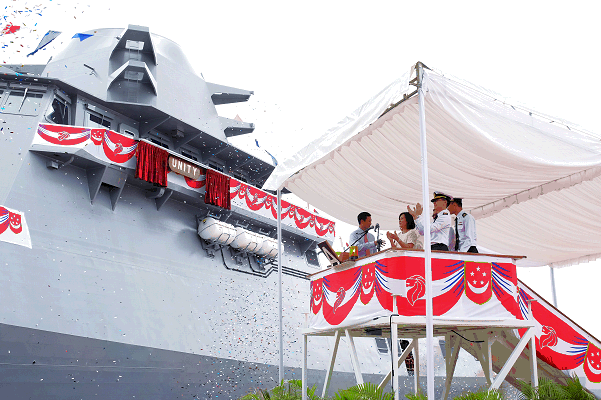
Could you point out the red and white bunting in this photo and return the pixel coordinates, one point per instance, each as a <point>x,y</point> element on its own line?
<point>266,205</point>
<point>103,144</point>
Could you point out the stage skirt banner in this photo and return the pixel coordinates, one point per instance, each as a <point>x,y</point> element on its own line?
<point>266,205</point>
<point>560,342</point>
<point>461,289</point>
<point>13,227</point>
<point>103,144</point>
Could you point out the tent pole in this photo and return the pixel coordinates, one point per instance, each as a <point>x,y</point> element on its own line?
<point>553,286</point>
<point>279,228</point>
<point>427,240</point>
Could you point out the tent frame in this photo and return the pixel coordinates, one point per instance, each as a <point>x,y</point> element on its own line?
<point>487,209</point>
<point>427,239</point>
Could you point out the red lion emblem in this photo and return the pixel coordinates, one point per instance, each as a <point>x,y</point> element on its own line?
<point>339,298</point>
<point>548,337</point>
<point>63,135</point>
<point>416,288</point>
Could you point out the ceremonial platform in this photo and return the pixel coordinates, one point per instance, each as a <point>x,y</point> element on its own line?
<point>476,302</point>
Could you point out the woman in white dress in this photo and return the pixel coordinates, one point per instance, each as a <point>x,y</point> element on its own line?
<point>409,238</point>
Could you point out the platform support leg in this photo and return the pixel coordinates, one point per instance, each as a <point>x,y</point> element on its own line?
<point>304,373</point>
<point>416,358</point>
<point>489,342</point>
<point>453,347</point>
<point>354,358</point>
<point>482,353</point>
<point>533,361</point>
<point>326,383</point>
<point>515,354</point>
<point>400,361</point>
<point>394,348</point>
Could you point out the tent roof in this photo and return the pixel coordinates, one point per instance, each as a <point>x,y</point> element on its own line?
<point>532,181</point>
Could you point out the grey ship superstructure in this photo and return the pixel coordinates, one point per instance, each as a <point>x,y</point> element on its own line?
<point>118,296</point>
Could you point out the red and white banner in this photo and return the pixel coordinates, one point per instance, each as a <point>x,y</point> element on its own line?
<point>177,179</point>
<point>103,144</point>
<point>559,341</point>
<point>258,202</point>
<point>13,227</point>
<point>461,289</point>
<point>248,197</point>
<point>114,148</point>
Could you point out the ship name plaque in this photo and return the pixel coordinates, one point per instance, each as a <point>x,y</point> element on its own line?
<point>184,168</point>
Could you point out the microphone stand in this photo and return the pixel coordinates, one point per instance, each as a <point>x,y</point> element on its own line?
<point>359,238</point>
<point>378,237</point>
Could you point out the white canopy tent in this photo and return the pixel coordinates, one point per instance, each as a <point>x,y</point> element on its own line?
<point>532,181</point>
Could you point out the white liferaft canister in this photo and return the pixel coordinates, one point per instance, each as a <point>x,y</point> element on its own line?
<point>247,240</point>
<point>269,248</point>
<point>216,231</point>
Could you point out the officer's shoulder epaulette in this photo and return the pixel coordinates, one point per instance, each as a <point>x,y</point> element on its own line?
<point>464,215</point>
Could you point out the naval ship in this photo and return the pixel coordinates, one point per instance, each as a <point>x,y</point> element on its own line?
<point>115,287</point>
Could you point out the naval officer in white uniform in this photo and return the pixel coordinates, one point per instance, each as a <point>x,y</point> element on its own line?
<point>439,229</point>
<point>465,227</point>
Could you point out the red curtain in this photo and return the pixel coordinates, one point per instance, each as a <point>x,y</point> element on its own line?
<point>152,164</point>
<point>217,189</point>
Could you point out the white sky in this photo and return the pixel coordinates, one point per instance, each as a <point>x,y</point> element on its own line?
<point>311,63</point>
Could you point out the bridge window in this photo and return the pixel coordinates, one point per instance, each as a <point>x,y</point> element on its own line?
<point>159,143</point>
<point>382,345</point>
<point>134,45</point>
<point>58,112</point>
<point>133,75</point>
<point>190,156</point>
<point>216,167</point>
<point>98,121</point>
<point>311,257</point>
<point>240,176</point>
<point>22,102</point>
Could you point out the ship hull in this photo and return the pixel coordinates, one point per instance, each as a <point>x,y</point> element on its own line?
<point>41,364</point>
<point>126,302</point>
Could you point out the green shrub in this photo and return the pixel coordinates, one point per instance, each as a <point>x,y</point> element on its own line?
<point>546,390</point>
<point>576,391</point>
<point>481,394</point>
<point>366,391</point>
<point>419,396</point>
<point>550,390</point>
<point>286,390</point>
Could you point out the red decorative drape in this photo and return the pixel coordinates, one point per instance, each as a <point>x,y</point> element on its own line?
<point>217,189</point>
<point>152,163</point>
